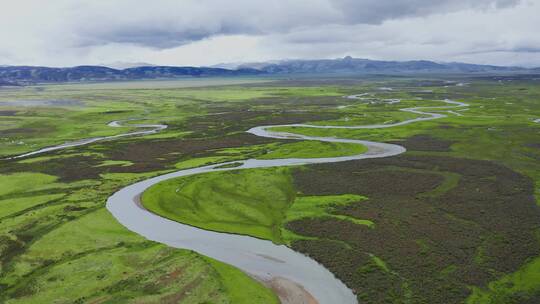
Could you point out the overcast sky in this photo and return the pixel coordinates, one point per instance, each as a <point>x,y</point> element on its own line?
<point>207,32</point>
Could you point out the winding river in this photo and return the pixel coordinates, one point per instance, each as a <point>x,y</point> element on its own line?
<point>260,258</point>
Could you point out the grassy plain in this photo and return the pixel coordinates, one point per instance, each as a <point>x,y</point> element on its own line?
<point>255,202</point>
<point>452,220</point>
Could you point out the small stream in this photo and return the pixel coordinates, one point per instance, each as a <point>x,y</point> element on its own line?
<point>148,129</point>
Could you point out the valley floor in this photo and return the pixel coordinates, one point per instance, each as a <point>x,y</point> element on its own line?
<point>455,219</point>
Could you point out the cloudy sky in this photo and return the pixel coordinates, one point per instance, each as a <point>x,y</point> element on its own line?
<point>207,32</point>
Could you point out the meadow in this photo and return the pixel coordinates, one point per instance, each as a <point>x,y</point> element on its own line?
<point>455,219</point>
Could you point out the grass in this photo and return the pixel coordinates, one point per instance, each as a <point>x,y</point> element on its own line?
<point>199,162</point>
<point>25,182</point>
<point>322,206</point>
<point>313,149</point>
<point>14,205</point>
<point>379,262</point>
<point>115,163</point>
<point>297,149</point>
<point>255,202</point>
<point>240,287</point>
<point>250,202</point>
<point>516,287</point>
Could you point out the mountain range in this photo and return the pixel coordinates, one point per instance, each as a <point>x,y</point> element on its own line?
<point>31,74</point>
<point>22,75</point>
<point>367,66</point>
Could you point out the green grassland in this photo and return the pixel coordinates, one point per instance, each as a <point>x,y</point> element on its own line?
<point>65,247</point>
<point>255,202</point>
<point>298,149</point>
<point>314,149</point>
<point>58,242</point>
<point>252,202</point>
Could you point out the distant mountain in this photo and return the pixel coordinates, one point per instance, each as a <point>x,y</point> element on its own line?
<point>357,65</point>
<point>153,72</point>
<point>30,74</point>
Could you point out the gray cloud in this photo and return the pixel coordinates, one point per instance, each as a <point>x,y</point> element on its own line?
<point>166,23</point>
<point>376,11</point>
<point>67,32</point>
